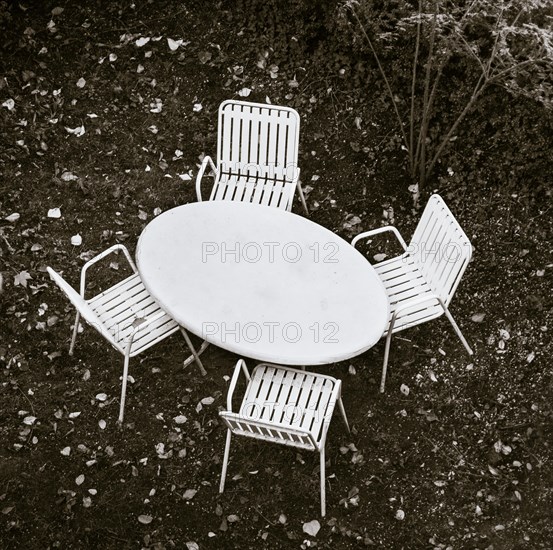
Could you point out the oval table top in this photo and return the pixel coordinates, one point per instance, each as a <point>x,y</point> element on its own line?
<point>262,282</point>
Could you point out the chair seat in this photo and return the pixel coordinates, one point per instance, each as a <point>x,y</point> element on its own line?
<point>122,307</point>
<point>257,189</point>
<point>290,398</point>
<point>405,283</point>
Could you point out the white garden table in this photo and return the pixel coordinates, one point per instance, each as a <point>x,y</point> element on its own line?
<point>262,282</point>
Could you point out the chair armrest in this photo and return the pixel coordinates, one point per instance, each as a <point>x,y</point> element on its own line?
<point>102,255</point>
<point>381,230</point>
<point>240,366</point>
<point>419,301</point>
<point>207,160</point>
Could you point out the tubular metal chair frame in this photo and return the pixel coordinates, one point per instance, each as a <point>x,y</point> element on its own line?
<point>257,146</point>
<point>272,390</point>
<point>123,338</point>
<point>410,273</point>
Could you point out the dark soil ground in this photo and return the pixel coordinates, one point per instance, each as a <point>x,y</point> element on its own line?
<point>462,461</point>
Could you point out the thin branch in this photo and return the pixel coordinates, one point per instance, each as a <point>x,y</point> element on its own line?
<point>389,88</point>
<point>420,153</point>
<point>498,76</point>
<point>413,82</point>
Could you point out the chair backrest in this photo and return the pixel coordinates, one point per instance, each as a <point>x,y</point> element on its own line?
<point>267,431</point>
<point>441,248</point>
<point>258,143</point>
<point>81,305</point>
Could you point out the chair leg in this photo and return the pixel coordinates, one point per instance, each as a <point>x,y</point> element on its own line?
<point>75,331</point>
<point>323,483</point>
<point>191,359</point>
<point>123,389</point>
<point>343,413</point>
<point>193,350</point>
<point>386,356</point>
<point>225,462</point>
<point>302,198</point>
<point>458,331</point>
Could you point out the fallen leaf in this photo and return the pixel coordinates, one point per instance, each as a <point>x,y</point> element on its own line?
<point>76,240</point>
<point>204,57</point>
<point>145,519</point>
<point>77,131</point>
<point>13,217</point>
<point>68,176</point>
<point>142,41</point>
<point>21,279</point>
<point>174,44</point>
<point>312,527</point>
<point>189,494</point>
<point>9,104</point>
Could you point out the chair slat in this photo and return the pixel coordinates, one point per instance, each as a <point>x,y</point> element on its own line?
<point>268,401</point>
<point>437,237</point>
<point>303,397</point>
<point>312,410</point>
<point>153,336</point>
<point>263,431</point>
<point>122,286</point>
<point>256,146</point>
<point>117,309</point>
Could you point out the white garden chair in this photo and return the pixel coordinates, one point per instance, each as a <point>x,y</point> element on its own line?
<point>257,155</point>
<point>420,283</point>
<point>286,406</point>
<point>126,315</point>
